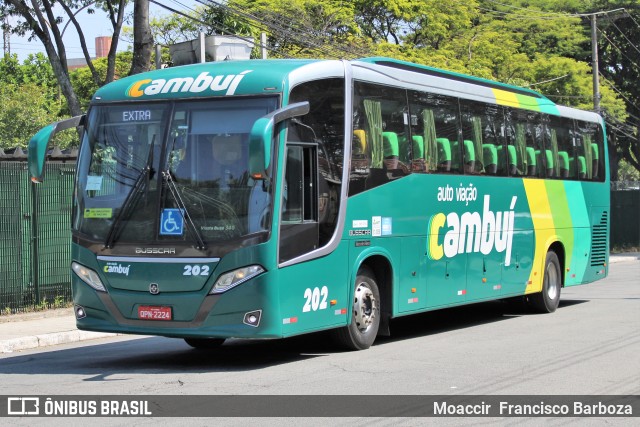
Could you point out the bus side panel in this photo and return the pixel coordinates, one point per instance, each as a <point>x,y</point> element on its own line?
<point>314,294</point>
<point>446,281</point>
<point>598,264</point>
<point>515,275</point>
<point>411,291</point>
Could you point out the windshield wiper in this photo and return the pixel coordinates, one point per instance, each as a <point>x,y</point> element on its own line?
<point>131,199</point>
<point>195,234</point>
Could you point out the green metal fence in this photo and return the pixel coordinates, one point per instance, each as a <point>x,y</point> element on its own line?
<point>625,217</point>
<point>35,236</point>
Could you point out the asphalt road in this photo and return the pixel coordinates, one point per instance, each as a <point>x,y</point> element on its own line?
<point>590,345</point>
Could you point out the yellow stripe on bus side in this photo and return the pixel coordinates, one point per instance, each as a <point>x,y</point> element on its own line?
<point>544,230</point>
<point>506,98</point>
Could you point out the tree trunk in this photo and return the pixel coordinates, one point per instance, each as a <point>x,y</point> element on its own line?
<point>142,38</point>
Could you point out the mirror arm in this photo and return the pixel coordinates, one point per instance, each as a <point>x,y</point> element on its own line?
<point>262,131</point>
<point>38,144</point>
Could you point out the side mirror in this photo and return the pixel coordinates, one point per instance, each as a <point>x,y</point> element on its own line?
<point>260,138</point>
<point>39,142</point>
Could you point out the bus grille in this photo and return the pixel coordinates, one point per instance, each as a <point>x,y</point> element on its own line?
<point>599,241</point>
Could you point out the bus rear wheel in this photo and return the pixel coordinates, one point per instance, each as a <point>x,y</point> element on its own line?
<point>365,318</point>
<point>204,343</point>
<point>548,299</point>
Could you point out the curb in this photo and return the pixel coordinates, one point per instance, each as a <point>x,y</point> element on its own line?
<point>45,340</point>
<point>613,259</point>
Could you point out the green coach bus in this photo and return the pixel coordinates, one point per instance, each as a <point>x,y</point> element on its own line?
<point>271,198</point>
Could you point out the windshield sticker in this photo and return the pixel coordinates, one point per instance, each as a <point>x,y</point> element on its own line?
<point>387,225</point>
<point>94,183</point>
<point>360,223</point>
<point>171,222</point>
<point>376,226</point>
<point>104,213</point>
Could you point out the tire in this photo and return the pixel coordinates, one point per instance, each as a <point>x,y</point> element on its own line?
<point>547,300</point>
<point>204,343</point>
<point>365,319</point>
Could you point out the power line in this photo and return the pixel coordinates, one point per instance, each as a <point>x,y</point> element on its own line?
<point>632,18</point>
<point>623,34</point>
<point>294,31</point>
<point>541,13</point>
<point>613,126</point>
<point>619,50</point>
<point>249,40</point>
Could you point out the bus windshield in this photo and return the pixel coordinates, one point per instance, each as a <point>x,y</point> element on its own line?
<point>156,172</point>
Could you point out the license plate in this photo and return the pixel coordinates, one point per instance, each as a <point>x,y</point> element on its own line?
<point>150,312</point>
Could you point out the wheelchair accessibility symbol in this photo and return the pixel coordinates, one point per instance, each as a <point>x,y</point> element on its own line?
<point>171,222</point>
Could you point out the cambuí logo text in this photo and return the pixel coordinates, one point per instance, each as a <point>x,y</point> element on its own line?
<point>204,82</point>
<point>472,232</point>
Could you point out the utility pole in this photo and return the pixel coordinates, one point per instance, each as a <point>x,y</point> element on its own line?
<point>594,64</point>
<point>594,53</point>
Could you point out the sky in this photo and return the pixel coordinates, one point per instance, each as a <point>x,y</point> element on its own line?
<point>93,25</point>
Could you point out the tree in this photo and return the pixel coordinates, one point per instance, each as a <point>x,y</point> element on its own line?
<point>619,66</point>
<point>214,19</point>
<point>83,82</point>
<point>304,28</point>
<point>39,20</point>
<point>142,38</point>
<point>29,100</point>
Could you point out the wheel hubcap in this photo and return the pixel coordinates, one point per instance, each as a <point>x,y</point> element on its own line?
<point>552,282</point>
<point>365,307</point>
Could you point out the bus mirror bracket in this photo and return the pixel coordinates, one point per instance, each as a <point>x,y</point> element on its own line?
<point>262,134</point>
<point>40,141</point>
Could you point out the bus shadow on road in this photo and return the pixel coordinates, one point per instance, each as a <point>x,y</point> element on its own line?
<point>461,317</point>
<point>108,362</point>
<point>151,355</point>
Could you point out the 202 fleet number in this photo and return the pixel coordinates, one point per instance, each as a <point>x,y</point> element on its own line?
<point>313,301</point>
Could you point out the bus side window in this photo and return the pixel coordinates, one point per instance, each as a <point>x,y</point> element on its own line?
<point>473,148</point>
<point>561,146</point>
<point>434,129</point>
<point>535,138</point>
<point>519,159</point>
<point>380,137</point>
<point>588,155</point>
<point>484,125</point>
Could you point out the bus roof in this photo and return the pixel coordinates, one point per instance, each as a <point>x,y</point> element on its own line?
<point>271,76</point>
<point>451,75</point>
<point>206,79</point>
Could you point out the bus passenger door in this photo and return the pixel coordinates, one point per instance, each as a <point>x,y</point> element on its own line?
<point>299,219</point>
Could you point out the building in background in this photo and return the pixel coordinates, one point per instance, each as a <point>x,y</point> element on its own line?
<point>103,45</point>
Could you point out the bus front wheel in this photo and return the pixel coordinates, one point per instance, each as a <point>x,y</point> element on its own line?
<point>547,300</point>
<point>204,343</point>
<point>365,318</point>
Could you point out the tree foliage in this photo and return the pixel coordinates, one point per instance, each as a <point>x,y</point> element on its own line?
<point>84,83</point>
<point>542,44</point>
<point>29,100</point>
<point>45,20</point>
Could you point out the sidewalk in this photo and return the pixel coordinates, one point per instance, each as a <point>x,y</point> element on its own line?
<point>41,329</point>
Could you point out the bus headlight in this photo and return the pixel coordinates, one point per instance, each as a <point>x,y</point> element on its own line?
<point>88,276</point>
<point>233,278</point>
